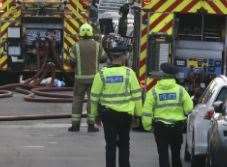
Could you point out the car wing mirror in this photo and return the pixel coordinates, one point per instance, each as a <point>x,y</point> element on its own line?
<point>209,113</point>
<point>218,106</point>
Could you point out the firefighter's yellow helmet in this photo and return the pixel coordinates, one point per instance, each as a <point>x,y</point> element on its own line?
<point>86,30</point>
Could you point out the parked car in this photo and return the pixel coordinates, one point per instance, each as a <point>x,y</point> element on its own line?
<point>199,121</point>
<point>217,136</point>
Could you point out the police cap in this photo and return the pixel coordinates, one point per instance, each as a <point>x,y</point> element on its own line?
<point>169,68</point>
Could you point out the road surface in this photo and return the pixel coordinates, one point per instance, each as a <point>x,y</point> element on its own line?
<point>47,143</point>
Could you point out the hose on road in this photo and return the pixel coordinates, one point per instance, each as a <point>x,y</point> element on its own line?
<point>5,93</point>
<point>32,90</point>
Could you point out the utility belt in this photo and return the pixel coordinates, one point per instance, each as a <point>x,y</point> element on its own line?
<point>103,110</point>
<point>177,124</point>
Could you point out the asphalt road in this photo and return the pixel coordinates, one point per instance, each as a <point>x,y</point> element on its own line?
<point>47,143</point>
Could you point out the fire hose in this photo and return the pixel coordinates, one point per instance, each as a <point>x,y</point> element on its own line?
<point>27,87</point>
<point>31,89</point>
<point>5,93</point>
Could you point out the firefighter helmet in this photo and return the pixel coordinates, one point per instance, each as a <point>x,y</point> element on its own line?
<point>114,44</point>
<point>86,30</point>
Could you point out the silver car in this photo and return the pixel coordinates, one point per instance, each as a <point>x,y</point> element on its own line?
<point>217,137</point>
<point>199,121</point>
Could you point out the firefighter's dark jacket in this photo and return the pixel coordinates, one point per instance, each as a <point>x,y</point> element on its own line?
<point>86,54</point>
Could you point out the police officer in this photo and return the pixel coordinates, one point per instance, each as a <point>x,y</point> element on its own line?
<point>166,108</point>
<point>117,91</point>
<point>85,54</point>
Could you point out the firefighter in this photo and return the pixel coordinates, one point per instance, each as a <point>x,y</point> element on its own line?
<point>117,92</point>
<point>165,110</point>
<point>85,55</point>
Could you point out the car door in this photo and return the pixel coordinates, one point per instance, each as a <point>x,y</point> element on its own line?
<point>222,96</point>
<point>196,118</point>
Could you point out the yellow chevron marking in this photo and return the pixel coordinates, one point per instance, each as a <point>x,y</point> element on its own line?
<point>73,22</point>
<point>142,70</point>
<point>66,46</point>
<point>70,40</point>
<point>65,55</point>
<point>78,4</point>
<point>3,59</point>
<point>149,81</point>
<point>71,19</point>
<point>6,3</point>
<point>6,24</point>
<point>154,16</point>
<point>77,14</point>
<point>208,8</point>
<point>143,55</point>
<point>170,31</point>
<point>5,15</point>
<point>162,23</point>
<point>221,6</point>
<point>150,5</point>
<point>143,40</point>
<point>68,27</point>
<point>165,6</point>
<point>181,6</point>
<point>170,17</point>
<point>195,7</point>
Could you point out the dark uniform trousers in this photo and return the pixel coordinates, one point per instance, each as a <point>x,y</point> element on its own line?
<point>165,136</point>
<point>116,130</point>
<point>80,89</point>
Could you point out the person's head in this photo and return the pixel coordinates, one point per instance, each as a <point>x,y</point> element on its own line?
<point>169,70</point>
<point>117,48</point>
<point>86,31</point>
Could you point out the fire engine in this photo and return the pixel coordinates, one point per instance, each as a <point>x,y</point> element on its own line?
<point>31,29</point>
<point>189,33</point>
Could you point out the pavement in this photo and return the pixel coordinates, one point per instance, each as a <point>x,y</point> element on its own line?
<point>47,143</point>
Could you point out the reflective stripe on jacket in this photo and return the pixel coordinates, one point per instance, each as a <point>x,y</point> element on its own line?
<point>116,88</point>
<point>167,102</point>
<point>86,55</point>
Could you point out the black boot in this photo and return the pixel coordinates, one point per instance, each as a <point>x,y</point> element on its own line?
<point>92,128</point>
<point>74,128</point>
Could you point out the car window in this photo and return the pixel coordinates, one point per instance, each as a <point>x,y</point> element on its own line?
<point>207,94</point>
<point>222,94</point>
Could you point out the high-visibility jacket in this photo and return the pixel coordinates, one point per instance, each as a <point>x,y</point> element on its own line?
<point>167,102</point>
<point>86,54</point>
<point>116,88</point>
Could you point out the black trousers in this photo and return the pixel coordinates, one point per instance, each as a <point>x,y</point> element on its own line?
<point>168,136</point>
<point>116,130</point>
